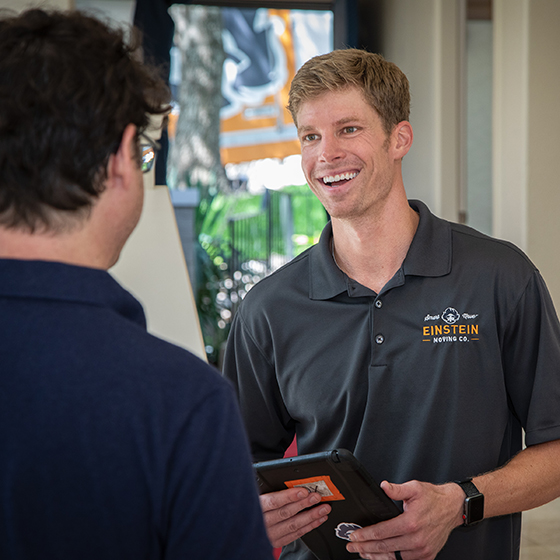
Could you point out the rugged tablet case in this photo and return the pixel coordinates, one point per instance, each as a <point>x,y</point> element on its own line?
<point>356,499</point>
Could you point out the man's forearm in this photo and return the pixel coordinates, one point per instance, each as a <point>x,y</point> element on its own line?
<point>529,480</point>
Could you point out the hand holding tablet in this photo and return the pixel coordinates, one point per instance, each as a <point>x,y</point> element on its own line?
<point>339,478</point>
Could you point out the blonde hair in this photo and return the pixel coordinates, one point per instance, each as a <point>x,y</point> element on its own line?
<point>383,85</point>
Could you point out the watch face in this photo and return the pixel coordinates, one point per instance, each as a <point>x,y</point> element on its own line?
<point>475,508</point>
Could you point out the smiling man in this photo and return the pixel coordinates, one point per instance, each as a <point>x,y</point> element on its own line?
<point>423,346</point>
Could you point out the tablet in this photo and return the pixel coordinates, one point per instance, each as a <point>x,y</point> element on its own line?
<point>342,481</point>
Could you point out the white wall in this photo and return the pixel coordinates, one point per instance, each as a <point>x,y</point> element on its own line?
<point>510,120</point>
<point>152,267</point>
<point>544,141</point>
<point>526,125</point>
<point>424,38</point>
<point>479,125</point>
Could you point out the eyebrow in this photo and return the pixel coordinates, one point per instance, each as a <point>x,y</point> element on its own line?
<point>340,122</point>
<point>347,120</point>
<point>303,129</point>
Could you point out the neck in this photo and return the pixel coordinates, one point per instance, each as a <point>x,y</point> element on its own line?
<point>372,251</point>
<point>70,247</point>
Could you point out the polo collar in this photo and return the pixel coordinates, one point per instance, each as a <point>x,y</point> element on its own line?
<point>61,282</point>
<point>430,252</point>
<point>429,255</point>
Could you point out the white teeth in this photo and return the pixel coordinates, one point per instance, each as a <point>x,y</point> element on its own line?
<point>336,178</point>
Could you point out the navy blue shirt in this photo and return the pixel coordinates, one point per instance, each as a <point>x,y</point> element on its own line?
<point>113,443</point>
<point>432,379</point>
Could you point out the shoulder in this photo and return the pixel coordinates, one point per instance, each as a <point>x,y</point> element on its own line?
<point>150,367</point>
<point>155,353</point>
<point>471,238</point>
<point>480,248</point>
<point>497,267</point>
<point>293,276</point>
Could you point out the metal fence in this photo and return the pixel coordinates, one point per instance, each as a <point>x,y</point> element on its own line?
<point>264,237</point>
<point>263,241</point>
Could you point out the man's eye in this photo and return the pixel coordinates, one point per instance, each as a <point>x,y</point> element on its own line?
<point>310,137</point>
<point>350,129</point>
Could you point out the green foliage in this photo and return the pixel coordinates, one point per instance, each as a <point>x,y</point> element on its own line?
<point>222,206</point>
<point>209,279</point>
<point>309,217</point>
<point>220,288</point>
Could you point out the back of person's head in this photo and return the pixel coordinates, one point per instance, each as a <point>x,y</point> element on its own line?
<point>69,86</point>
<point>383,85</point>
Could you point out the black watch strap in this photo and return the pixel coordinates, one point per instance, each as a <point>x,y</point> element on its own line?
<point>468,487</point>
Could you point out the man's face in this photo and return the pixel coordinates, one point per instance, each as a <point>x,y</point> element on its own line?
<point>345,151</point>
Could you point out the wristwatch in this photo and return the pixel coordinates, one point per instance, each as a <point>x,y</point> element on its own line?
<point>473,508</point>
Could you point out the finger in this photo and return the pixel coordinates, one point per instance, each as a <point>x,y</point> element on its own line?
<point>295,513</point>
<point>376,547</point>
<point>287,511</point>
<point>276,500</point>
<point>390,529</point>
<point>383,556</point>
<point>390,556</point>
<point>289,514</point>
<point>292,529</point>
<point>375,552</point>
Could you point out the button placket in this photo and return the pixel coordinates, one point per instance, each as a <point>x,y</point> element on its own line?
<point>379,337</point>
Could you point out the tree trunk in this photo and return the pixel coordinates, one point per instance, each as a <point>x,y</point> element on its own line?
<point>195,155</point>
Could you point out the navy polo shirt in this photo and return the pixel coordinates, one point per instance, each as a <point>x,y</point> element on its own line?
<point>431,379</point>
<point>114,444</point>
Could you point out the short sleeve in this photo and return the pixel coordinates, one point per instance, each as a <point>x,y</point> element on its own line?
<point>212,495</point>
<point>531,358</point>
<point>269,425</point>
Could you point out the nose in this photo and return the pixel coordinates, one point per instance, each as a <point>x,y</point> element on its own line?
<point>331,149</point>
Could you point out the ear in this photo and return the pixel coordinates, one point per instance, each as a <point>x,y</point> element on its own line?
<point>123,165</point>
<point>403,136</point>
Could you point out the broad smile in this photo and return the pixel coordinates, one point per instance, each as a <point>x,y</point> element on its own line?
<point>339,178</point>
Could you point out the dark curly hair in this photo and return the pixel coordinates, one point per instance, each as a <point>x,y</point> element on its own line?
<point>69,86</point>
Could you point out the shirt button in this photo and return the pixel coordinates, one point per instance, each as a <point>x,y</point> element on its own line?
<point>380,339</point>
<point>378,304</point>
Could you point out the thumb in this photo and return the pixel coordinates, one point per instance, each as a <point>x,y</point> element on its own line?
<point>397,492</point>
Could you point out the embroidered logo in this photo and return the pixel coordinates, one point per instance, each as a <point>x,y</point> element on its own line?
<point>450,315</point>
<point>344,530</point>
<point>450,326</point>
